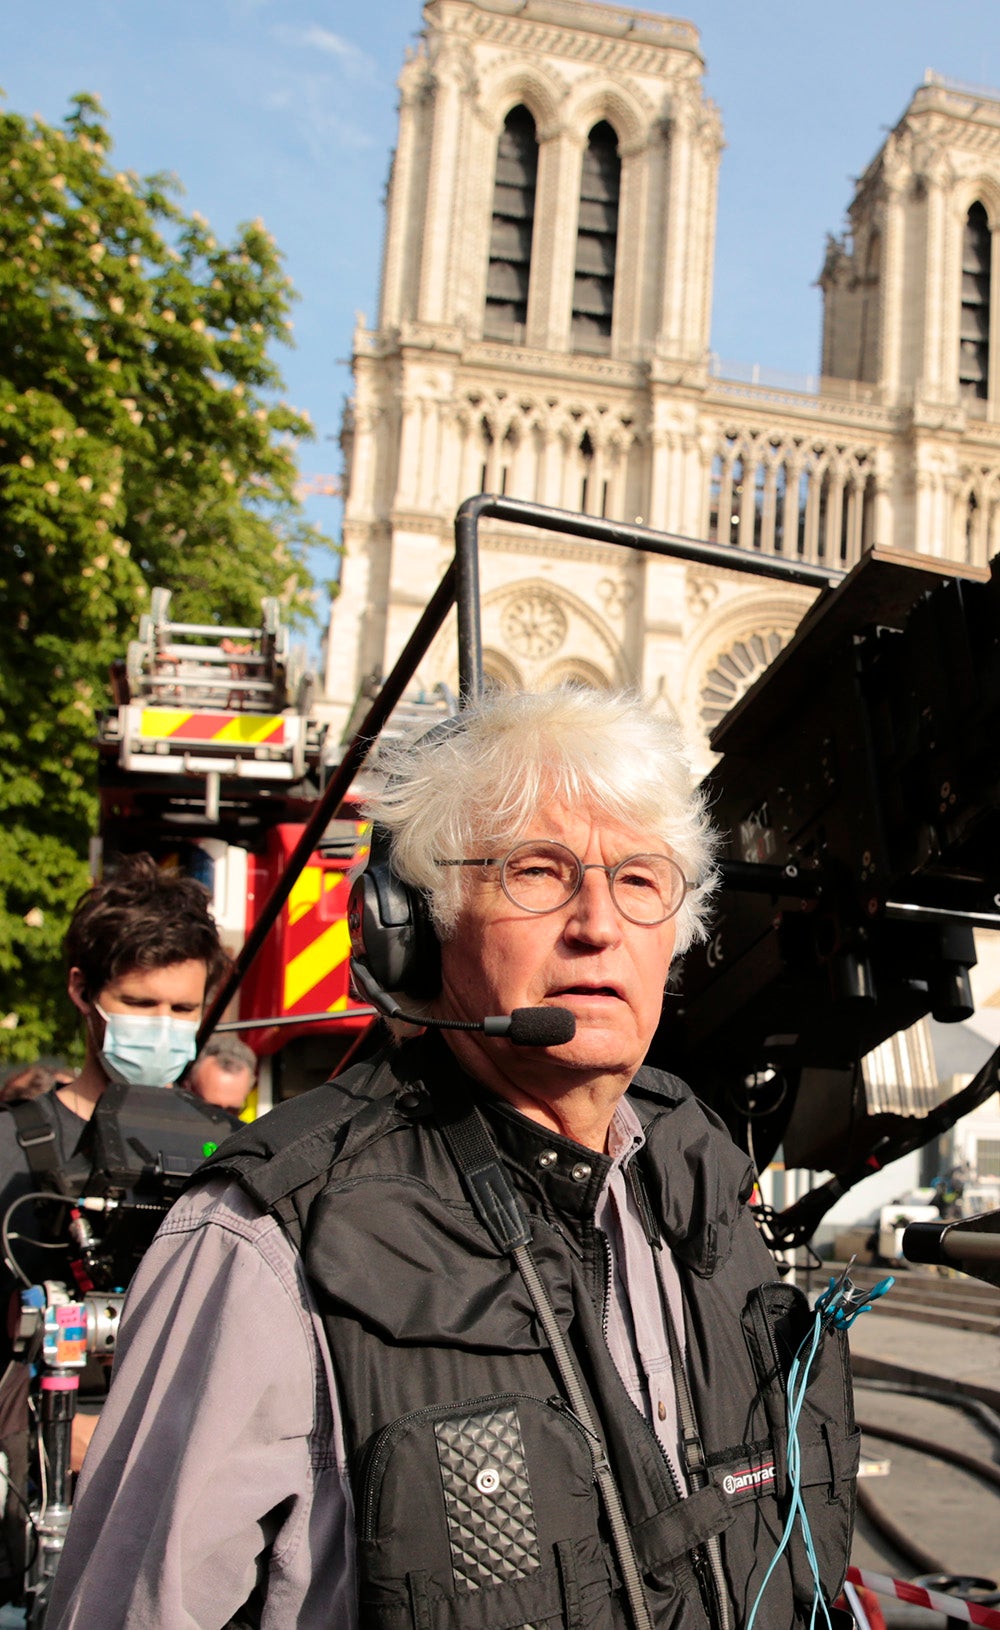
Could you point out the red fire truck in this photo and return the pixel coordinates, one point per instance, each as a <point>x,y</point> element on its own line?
<point>211,761</point>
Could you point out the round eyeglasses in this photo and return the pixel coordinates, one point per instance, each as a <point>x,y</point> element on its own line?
<point>541,876</point>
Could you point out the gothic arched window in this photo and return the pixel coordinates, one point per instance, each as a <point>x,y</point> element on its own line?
<point>974,344</point>
<point>868,338</point>
<point>513,220</point>
<point>971,517</point>
<point>596,241</point>
<point>780,490</point>
<point>714,495</point>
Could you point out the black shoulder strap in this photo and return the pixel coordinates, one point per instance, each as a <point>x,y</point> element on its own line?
<point>36,1134</point>
<point>496,1204</point>
<point>293,1147</point>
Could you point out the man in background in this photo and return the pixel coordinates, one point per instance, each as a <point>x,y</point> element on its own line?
<point>142,953</point>
<point>224,1073</point>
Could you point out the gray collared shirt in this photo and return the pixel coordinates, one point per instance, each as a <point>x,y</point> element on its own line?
<point>220,1441</point>
<point>636,1330</point>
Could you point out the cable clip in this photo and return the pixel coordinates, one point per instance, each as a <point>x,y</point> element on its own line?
<point>842,1302</point>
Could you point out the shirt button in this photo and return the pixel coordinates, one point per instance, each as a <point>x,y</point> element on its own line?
<point>548,1157</point>
<point>580,1172</point>
<point>408,1102</point>
<point>661,1410</point>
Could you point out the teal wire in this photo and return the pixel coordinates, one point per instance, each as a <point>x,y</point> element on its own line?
<point>796,1508</point>
<point>836,1307</point>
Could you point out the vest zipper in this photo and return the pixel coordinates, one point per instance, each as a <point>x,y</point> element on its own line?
<point>694,1455</point>
<point>707,1558</point>
<point>608,1272</point>
<point>709,1555</point>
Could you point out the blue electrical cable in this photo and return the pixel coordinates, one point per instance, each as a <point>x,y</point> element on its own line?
<point>837,1308</point>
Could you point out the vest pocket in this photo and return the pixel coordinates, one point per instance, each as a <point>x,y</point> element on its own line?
<point>481,1516</point>
<point>777,1321</point>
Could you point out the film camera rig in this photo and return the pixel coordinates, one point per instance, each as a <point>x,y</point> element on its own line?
<point>146,1143</point>
<point>859,787</point>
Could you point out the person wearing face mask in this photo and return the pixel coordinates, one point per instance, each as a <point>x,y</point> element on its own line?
<point>142,950</point>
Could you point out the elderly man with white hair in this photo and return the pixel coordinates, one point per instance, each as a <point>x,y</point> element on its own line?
<point>481,1335</point>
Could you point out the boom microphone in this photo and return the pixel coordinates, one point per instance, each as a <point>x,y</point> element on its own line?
<point>525,1027</point>
<point>535,1026</point>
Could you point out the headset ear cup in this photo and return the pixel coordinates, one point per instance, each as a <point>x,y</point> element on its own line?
<point>390,927</point>
<point>391,931</point>
<point>423,971</point>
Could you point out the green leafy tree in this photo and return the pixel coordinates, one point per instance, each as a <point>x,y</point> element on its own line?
<point>142,442</point>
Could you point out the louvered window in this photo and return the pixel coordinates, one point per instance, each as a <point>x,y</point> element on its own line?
<point>596,241</point>
<point>513,220</point>
<point>974,344</point>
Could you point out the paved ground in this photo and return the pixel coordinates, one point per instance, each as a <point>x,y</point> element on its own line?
<point>911,1350</point>
<point>953,1515</point>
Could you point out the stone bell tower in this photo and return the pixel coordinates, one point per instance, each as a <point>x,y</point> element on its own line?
<point>912,307</point>
<point>542,332</point>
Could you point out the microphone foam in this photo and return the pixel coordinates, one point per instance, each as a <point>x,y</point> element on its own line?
<point>541,1026</point>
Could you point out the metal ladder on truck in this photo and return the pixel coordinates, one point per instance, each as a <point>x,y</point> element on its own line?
<point>212,703</point>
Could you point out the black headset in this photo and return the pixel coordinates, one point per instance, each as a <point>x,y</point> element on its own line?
<point>389,921</point>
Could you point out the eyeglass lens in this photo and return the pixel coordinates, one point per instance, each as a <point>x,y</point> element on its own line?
<point>540,876</point>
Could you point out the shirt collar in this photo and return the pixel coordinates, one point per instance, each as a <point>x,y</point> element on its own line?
<point>625,1134</point>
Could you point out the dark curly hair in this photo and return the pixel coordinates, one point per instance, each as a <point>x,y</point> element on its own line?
<point>142,917</point>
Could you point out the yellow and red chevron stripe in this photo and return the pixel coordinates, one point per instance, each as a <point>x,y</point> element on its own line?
<point>179,724</point>
<point>316,942</point>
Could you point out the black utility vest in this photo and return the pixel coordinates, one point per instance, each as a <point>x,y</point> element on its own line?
<point>473,1480</point>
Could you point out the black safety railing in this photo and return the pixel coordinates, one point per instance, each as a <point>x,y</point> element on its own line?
<point>459,587</point>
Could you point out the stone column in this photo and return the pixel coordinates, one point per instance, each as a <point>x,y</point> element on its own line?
<point>834,515</point>
<point>884,532</point>
<point>410,408</point>
<point>675,249</point>
<point>940,381</point>
<point>548,252</point>
<point>401,229</point>
<point>595,485</point>
<point>770,509</point>
<point>362,498</point>
<point>439,215</point>
<point>895,180</point>
<point>926,540</point>
<point>793,480</point>
<point>993,527</point>
<point>629,259</point>
<point>856,508</point>
<point>659,476</point>
<point>810,550</point>
<point>651,190</point>
<point>748,501</point>
<point>993,402</point>
<point>706,153</point>
<point>552,284</point>
<point>725,520</point>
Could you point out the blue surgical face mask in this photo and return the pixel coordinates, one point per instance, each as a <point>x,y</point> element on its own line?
<point>146,1050</point>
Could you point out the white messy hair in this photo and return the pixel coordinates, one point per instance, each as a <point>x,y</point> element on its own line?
<point>454,793</point>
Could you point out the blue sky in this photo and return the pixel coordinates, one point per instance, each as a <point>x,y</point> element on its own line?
<point>286,109</point>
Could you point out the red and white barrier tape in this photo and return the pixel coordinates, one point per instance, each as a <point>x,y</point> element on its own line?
<point>938,1600</point>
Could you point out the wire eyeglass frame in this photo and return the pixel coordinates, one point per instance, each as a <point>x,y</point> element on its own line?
<point>683,884</point>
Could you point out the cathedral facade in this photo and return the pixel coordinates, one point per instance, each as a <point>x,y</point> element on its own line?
<point>543,332</point>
